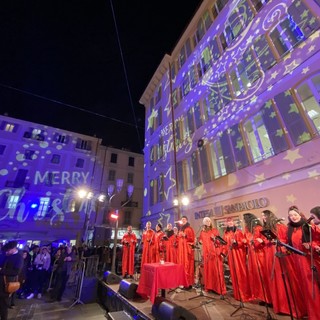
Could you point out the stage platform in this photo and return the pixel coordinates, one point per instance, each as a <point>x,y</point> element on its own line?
<point>202,305</point>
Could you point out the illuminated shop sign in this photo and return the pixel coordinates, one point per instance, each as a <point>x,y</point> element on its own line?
<point>219,211</point>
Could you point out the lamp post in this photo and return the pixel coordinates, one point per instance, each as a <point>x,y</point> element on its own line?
<point>87,196</point>
<point>181,200</point>
<point>115,215</point>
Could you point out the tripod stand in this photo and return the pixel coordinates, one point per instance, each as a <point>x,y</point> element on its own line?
<point>235,280</point>
<point>271,236</point>
<point>201,294</point>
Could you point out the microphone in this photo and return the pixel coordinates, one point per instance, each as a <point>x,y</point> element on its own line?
<point>179,222</point>
<point>256,219</point>
<point>309,220</point>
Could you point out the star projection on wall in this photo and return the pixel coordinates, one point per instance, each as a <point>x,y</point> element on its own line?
<point>164,219</point>
<point>292,155</point>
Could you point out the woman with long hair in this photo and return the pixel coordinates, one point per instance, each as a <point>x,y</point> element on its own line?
<point>256,258</point>
<point>212,258</point>
<point>237,261</point>
<point>299,236</point>
<point>283,288</point>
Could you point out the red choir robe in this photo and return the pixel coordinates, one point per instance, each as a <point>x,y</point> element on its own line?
<point>186,241</point>
<point>278,267</point>
<point>172,253</point>
<point>148,249</point>
<point>237,264</point>
<point>308,290</point>
<point>167,246</point>
<point>316,243</point>
<point>212,261</point>
<point>159,245</point>
<point>255,259</point>
<point>129,241</point>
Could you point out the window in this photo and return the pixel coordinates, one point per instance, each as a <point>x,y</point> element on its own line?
<point>204,164</point>
<point>192,171</point>
<point>221,156</point>
<point>238,147</point>
<point>264,53</point>
<point>292,117</point>
<point>214,47</point>
<point>112,175</point>
<point>83,144</point>
<point>131,162</point>
<point>61,138</point>
<point>55,158</point>
<point>9,126</point>
<point>20,178</point>
<point>218,6</point>
<point>286,35</point>
<point>302,16</point>
<point>160,183</point>
<point>29,154</point>
<point>80,163</point>
<point>309,93</point>
<point>127,218</point>
<point>258,138</point>
<point>153,190</point>
<point>37,134</point>
<point>159,94</point>
<point>12,202</point>
<point>245,73</point>
<point>176,97</point>
<point>43,206</point>
<point>258,4</point>
<point>182,57</point>
<point>2,148</point>
<point>114,158</point>
<point>130,177</point>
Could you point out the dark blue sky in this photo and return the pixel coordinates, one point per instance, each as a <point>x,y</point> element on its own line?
<point>60,62</point>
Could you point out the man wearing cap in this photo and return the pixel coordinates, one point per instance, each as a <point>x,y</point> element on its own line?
<point>10,269</point>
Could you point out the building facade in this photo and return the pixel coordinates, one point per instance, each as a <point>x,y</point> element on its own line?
<point>42,171</point>
<point>232,114</point>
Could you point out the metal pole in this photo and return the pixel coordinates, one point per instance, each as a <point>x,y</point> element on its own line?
<point>113,265</point>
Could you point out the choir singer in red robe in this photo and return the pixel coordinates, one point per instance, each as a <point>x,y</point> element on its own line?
<point>129,241</point>
<point>186,241</point>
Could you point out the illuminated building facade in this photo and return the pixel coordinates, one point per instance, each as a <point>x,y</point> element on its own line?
<point>42,170</point>
<point>233,115</point>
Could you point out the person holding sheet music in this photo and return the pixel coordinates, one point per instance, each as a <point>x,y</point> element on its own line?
<point>256,258</point>
<point>236,252</point>
<point>159,243</point>
<point>278,271</point>
<point>148,243</point>
<point>212,258</point>
<point>129,241</point>
<point>186,242</point>
<point>299,236</point>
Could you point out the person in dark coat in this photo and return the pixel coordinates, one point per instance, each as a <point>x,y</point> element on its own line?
<point>10,269</point>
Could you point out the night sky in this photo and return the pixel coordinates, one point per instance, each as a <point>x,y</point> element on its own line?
<point>60,62</point>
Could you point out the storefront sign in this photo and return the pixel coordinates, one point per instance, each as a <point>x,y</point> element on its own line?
<point>219,211</point>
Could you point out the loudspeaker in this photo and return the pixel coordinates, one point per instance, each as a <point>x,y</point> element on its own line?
<point>89,290</point>
<point>118,315</point>
<point>128,289</point>
<point>101,236</point>
<point>165,309</point>
<point>111,278</point>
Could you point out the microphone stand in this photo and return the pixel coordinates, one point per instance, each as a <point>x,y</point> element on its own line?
<point>314,271</point>
<point>269,316</point>
<point>201,294</point>
<point>271,236</point>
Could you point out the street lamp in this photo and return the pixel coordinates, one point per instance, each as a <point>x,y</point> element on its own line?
<point>181,200</point>
<point>115,215</point>
<point>88,196</point>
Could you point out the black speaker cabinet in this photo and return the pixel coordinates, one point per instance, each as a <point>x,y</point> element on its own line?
<point>101,236</point>
<point>128,289</point>
<point>164,309</point>
<point>111,278</point>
